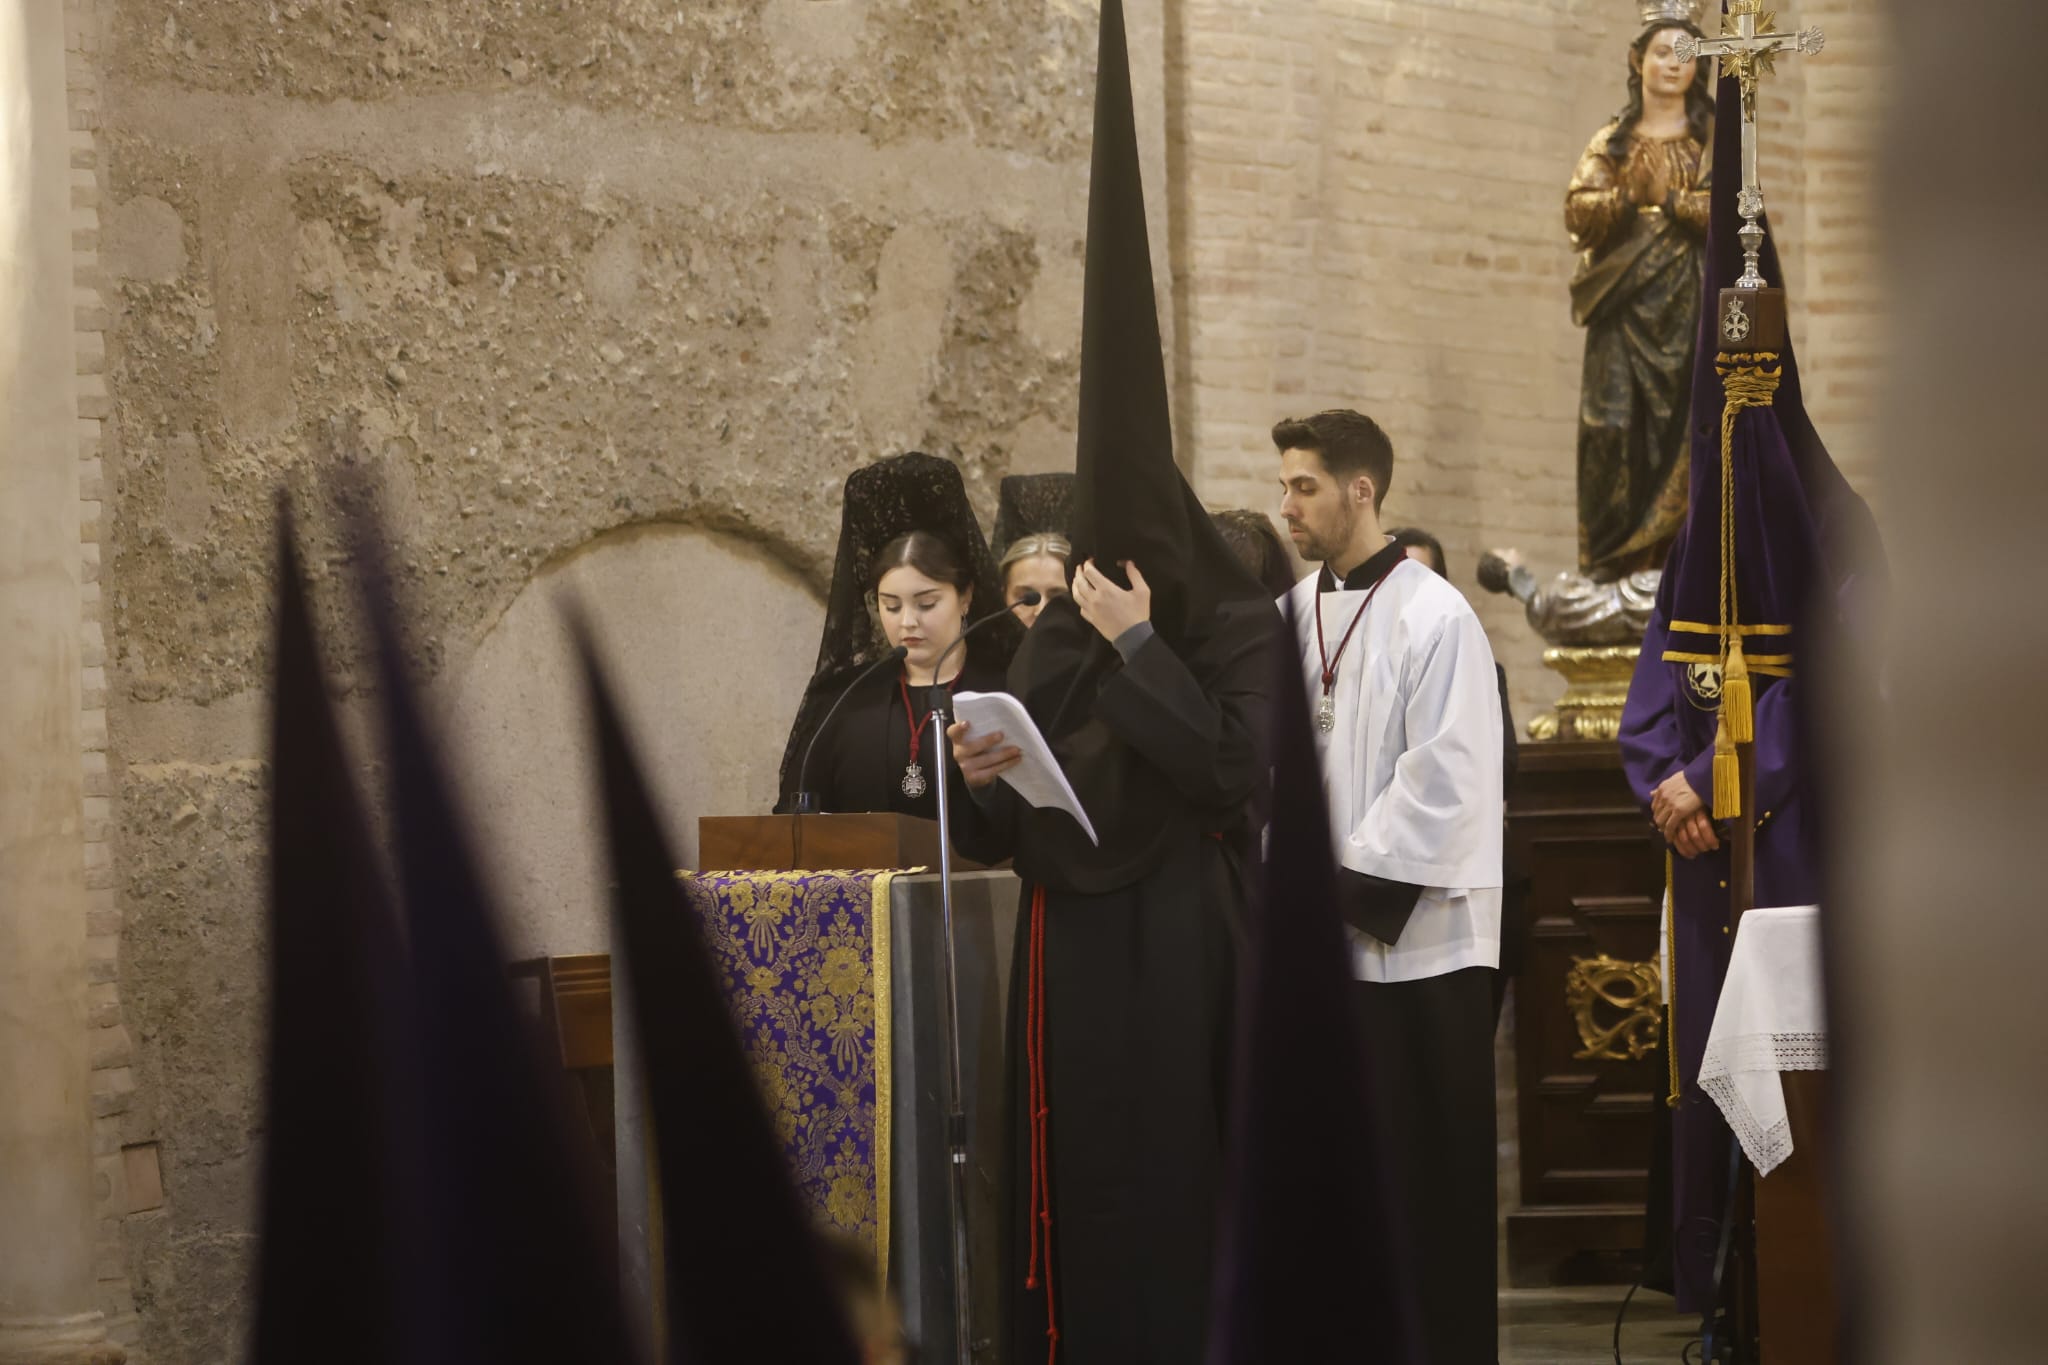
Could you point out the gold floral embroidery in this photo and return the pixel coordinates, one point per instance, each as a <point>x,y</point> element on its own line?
<point>805,959</point>
<point>850,1195</point>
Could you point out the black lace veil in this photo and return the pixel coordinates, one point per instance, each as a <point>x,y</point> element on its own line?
<point>1033,504</point>
<point>886,499</point>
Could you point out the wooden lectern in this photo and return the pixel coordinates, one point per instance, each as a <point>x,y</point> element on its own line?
<point>812,843</point>
<point>921,1268</point>
<point>571,1001</point>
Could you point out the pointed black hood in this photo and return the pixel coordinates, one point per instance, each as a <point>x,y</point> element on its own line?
<point>1130,500</point>
<point>1130,503</point>
<point>744,1278</point>
<point>525,1270</point>
<point>1306,1263</point>
<point>340,1198</point>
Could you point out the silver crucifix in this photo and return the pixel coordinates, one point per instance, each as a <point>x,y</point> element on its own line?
<point>1749,52</point>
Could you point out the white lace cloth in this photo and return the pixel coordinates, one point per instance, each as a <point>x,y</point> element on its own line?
<point>1770,1019</point>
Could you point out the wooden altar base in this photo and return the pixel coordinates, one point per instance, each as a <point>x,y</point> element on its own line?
<point>1585,1123</point>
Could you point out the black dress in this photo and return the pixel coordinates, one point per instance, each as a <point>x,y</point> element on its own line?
<point>1136,987</point>
<point>860,761</point>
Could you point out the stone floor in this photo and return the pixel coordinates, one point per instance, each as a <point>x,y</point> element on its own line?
<point>1576,1327</point>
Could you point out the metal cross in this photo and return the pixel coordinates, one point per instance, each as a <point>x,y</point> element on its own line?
<point>1750,51</point>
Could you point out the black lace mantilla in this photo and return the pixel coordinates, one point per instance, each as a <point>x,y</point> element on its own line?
<point>883,500</point>
<point>1033,504</point>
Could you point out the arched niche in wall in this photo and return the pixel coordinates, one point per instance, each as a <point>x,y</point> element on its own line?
<point>709,640</point>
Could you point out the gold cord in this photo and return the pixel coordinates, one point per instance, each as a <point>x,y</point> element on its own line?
<point>1749,380</point>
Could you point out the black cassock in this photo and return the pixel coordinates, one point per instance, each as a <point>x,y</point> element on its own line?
<point>1137,977</point>
<point>860,761</point>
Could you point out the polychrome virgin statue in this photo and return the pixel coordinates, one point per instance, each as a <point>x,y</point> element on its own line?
<point>1637,214</point>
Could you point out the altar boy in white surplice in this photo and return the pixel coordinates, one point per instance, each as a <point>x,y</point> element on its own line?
<point>1402,686</point>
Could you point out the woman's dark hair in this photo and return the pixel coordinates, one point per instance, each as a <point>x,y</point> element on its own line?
<point>930,555</point>
<point>1408,537</point>
<point>1251,537</point>
<point>1699,96</point>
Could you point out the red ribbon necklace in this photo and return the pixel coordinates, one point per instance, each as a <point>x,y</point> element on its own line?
<point>914,784</point>
<point>1326,709</point>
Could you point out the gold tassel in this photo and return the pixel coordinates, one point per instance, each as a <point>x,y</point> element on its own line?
<point>1737,700</point>
<point>1727,772</point>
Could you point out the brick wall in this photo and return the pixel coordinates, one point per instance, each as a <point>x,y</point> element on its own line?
<point>112,1076</point>
<point>1371,215</point>
<point>1841,306</point>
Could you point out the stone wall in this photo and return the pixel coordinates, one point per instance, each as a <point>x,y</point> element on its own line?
<point>612,297</point>
<point>1369,213</point>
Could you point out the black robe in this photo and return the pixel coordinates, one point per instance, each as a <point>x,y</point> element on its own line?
<point>1138,980</point>
<point>860,761</point>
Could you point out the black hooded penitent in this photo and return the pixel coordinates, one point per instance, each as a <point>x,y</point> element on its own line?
<point>1125,961</point>
<point>1130,502</point>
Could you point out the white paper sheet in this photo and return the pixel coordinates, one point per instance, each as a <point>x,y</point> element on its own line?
<point>1037,777</point>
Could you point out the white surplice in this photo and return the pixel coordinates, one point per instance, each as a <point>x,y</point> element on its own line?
<point>1412,770</point>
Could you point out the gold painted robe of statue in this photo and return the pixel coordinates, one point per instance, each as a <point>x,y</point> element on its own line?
<point>1639,224</point>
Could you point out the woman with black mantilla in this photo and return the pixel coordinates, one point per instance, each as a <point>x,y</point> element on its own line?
<point>1033,516</point>
<point>1151,684</point>
<point>911,568</point>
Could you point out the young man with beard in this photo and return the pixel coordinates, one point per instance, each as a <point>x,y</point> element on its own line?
<point>1402,686</point>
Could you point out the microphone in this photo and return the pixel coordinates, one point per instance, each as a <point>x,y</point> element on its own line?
<point>1031,598</point>
<point>805,801</point>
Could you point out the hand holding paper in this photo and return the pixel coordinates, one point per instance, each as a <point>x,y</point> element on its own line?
<point>981,758</point>
<point>1033,773</point>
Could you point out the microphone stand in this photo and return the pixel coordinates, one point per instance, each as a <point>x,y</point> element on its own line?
<point>805,801</point>
<point>956,1109</point>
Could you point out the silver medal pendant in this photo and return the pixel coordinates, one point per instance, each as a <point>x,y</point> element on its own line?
<point>1326,713</point>
<point>913,781</point>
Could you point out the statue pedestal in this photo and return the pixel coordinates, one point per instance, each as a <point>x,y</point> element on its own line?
<point>1588,1087</point>
<point>1596,686</point>
<point>1594,630</point>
